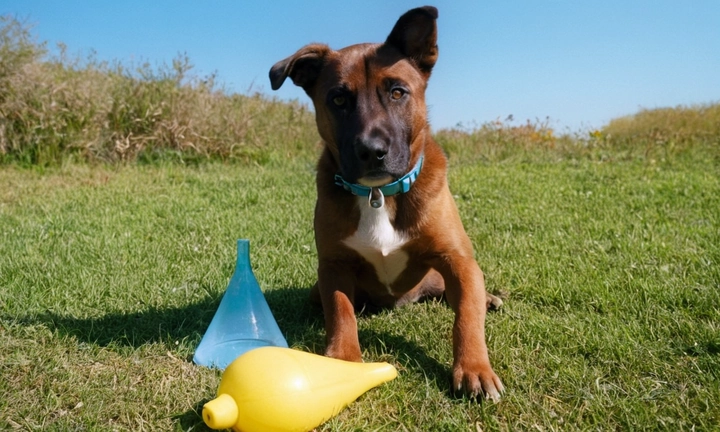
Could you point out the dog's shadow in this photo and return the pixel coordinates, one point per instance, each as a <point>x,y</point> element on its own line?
<point>290,307</point>
<point>300,321</point>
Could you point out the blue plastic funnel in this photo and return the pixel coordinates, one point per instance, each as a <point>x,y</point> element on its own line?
<point>243,320</point>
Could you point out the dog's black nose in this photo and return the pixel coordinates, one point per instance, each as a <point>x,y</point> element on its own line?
<point>370,150</point>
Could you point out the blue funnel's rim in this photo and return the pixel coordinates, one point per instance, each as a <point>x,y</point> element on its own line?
<point>222,354</point>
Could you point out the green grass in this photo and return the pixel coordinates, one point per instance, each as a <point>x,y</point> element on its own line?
<point>611,272</point>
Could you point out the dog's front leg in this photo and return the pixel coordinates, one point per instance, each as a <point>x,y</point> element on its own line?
<point>336,286</point>
<point>465,292</point>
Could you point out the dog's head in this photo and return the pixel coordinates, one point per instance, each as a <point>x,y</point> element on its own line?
<point>370,98</point>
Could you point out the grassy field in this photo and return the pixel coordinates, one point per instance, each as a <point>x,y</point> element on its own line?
<point>110,275</point>
<point>123,191</point>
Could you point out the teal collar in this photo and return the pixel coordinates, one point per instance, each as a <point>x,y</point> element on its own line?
<point>376,195</point>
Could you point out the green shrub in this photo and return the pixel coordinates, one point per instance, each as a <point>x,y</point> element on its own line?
<point>665,132</point>
<point>58,108</point>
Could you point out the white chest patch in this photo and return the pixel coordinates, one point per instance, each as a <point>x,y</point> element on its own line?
<point>379,243</point>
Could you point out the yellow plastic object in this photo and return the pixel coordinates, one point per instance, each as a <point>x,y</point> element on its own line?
<point>274,389</point>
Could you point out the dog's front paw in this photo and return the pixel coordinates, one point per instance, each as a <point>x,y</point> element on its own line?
<point>476,380</point>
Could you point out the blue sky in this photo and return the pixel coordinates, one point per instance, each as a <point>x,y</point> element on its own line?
<point>578,62</point>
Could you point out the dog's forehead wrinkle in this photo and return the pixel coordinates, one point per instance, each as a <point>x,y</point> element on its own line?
<point>349,59</point>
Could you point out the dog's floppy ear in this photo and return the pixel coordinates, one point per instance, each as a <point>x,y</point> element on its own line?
<point>303,67</point>
<point>415,35</point>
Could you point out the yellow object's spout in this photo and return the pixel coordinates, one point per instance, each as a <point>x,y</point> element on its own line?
<point>221,412</point>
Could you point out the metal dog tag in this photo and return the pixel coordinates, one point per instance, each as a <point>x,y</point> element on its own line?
<point>376,199</point>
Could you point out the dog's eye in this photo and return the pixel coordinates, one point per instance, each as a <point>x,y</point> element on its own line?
<point>397,93</point>
<point>339,101</point>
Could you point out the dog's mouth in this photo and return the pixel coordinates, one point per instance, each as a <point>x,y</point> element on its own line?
<point>376,178</point>
<point>373,172</point>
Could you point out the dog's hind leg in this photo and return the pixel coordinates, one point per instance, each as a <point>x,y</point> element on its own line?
<point>432,286</point>
<point>493,302</point>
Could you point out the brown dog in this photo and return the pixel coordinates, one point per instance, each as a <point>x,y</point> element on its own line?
<point>386,227</point>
